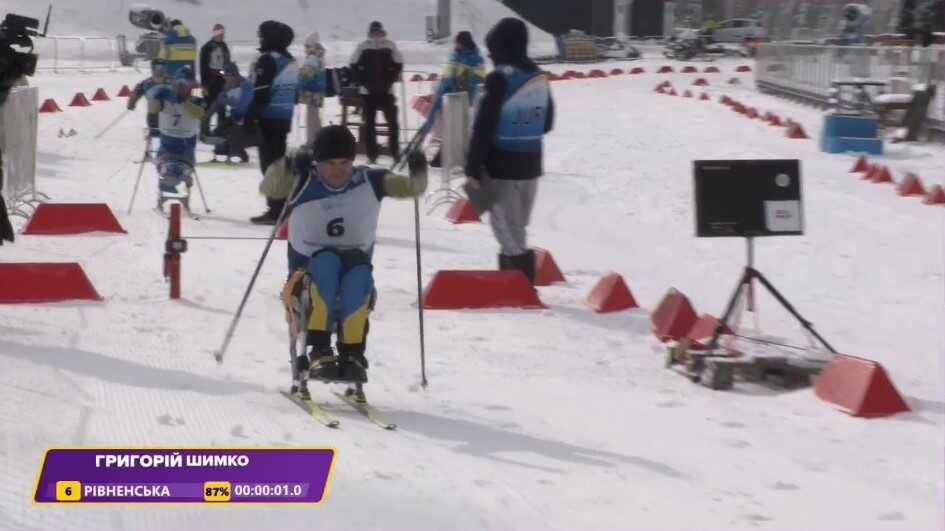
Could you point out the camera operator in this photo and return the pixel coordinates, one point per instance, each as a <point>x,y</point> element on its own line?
<point>15,66</point>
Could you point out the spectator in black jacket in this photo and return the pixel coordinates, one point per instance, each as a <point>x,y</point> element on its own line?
<point>505,150</point>
<point>376,65</point>
<point>275,78</point>
<point>214,55</point>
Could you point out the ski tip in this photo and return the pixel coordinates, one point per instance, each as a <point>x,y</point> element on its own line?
<point>219,357</point>
<point>390,427</point>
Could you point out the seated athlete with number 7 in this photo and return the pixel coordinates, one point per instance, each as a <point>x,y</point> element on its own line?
<point>332,229</point>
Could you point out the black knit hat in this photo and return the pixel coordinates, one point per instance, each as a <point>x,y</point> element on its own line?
<point>465,39</point>
<point>375,26</point>
<point>334,142</point>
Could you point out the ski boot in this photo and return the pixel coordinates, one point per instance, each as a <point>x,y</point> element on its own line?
<point>352,363</point>
<point>356,393</point>
<point>324,366</point>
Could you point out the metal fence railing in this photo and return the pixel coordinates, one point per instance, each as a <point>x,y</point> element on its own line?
<point>808,71</point>
<point>73,53</point>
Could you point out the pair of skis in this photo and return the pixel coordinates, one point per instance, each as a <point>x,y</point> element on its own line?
<point>322,416</point>
<point>354,397</point>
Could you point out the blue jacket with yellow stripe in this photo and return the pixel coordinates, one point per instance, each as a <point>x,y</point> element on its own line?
<point>178,49</point>
<point>465,72</point>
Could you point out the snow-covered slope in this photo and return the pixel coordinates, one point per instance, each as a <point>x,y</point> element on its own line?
<point>551,419</point>
<point>336,20</point>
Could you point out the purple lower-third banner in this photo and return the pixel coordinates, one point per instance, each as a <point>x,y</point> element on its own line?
<point>184,475</point>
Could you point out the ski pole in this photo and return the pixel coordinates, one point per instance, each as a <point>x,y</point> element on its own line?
<point>252,281</point>
<point>147,150</point>
<point>200,189</point>
<point>414,143</point>
<point>108,127</point>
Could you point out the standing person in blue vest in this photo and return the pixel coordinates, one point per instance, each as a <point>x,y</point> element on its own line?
<point>464,72</point>
<point>505,151</point>
<point>275,78</point>
<point>178,49</point>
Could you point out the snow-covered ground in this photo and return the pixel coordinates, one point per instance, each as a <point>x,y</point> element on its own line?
<point>551,419</point>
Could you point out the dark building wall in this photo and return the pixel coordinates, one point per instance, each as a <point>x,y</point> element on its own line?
<point>646,18</point>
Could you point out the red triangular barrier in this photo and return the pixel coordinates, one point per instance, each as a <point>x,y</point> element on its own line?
<point>596,73</point>
<point>725,100</point>
<point>49,105</point>
<point>100,95</point>
<point>72,218</point>
<point>553,77</point>
<point>546,270</point>
<point>702,331</point>
<point>859,387</point>
<point>701,82</point>
<point>775,120</point>
<point>711,70</point>
<point>462,211</point>
<point>871,169</point>
<point>665,69</point>
<point>660,89</point>
<point>796,131</point>
<point>882,175</point>
<point>751,113</point>
<point>616,72</point>
<point>674,317</point>
<point>637,70</point>
<point>672,91</point>
<point>935,195</point>
<point>689,69</point>
<point>124,92</point>
<point>861,165</point>
<point>283,232</point>
<point>910,185</point>
<point>44,282</point>
<point>79,100</point>
<point>734,81</point>
<point>433,77</point>
<point>611,294</point>
<point>743,68</point>
<point>704,97</point>
<point>579,75</point>
<point>454,290</point>
<point>569,74</point>
<point>687,94</point>
<point>416,77</point>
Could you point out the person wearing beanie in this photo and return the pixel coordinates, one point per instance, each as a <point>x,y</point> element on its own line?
<point>505,152</point>
<point>275,77</point>
<point>312,85</point>
<point>236,97</point>
<point>333,216</point>
<point>214,55</point>
<point>179,117</point>
<point>376,65</point>
<point>141,88</point>
<point>464,72</point>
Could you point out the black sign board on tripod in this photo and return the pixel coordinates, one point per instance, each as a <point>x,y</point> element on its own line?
<point>749,199</point>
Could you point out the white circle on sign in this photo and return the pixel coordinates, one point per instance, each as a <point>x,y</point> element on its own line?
<point>782,180</point>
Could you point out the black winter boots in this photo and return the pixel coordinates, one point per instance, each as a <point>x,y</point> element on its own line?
<point>271,215</point>
<point>522,262</point>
